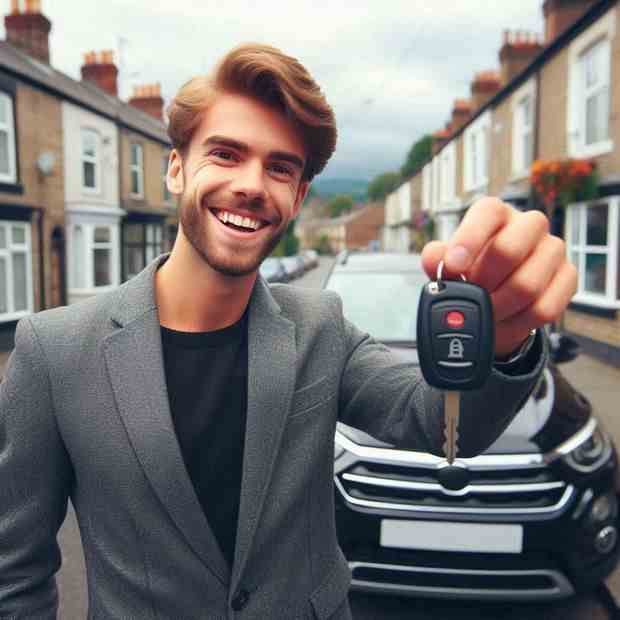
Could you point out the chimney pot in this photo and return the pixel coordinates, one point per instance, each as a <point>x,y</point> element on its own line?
<point>29,31</point>
<point>147,97</point>
<point>100,69</point>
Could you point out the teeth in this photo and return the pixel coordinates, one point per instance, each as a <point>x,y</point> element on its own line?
<point>238,220</point>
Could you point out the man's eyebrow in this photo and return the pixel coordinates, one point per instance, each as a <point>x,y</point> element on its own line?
<point>243,147</point>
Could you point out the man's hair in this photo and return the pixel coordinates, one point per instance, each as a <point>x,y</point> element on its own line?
<point>266,74</point>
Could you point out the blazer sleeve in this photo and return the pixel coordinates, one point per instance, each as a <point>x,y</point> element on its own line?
<point>390,400</point>
<point>35,480</point>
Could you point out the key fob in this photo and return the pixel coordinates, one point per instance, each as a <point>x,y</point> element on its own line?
<point>455,334</point>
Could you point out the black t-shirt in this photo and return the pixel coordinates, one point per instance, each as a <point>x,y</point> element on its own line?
<point>206,376</point>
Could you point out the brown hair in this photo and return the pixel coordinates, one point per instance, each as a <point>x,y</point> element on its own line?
<point>263,72</point>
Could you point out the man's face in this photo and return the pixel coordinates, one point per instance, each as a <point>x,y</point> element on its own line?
<point>244,159</point>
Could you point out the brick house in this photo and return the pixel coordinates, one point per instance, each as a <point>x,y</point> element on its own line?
<point>551,99</point>
<point>62,206</point>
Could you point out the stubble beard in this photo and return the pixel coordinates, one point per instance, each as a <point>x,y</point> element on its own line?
<point>196,228</point>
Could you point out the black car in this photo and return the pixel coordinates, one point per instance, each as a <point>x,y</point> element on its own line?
<point>536,516</point>
<point>272,269</point>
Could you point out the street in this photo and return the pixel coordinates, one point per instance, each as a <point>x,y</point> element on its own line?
<point>597,381</point>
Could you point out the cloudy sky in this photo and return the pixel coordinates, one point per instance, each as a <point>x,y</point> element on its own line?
<point>391,69</point>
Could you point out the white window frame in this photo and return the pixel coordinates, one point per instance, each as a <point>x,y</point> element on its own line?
<point>95,160</point>
<point>476,164</point>
<point>436,183</point>
<point>7,253</point>
<point>448,173</point>
<point>9,129</point>
<point>600,33</point>
<point>137,168</point>
<point>520,164</point>
<point>427,187</point>
<point>611,297</point>
<point>87,259</point>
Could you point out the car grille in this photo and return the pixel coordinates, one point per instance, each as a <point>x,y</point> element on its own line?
<point>461,583</point>
<point>372,480</point>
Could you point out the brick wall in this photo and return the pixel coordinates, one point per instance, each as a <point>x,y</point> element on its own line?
<point>38,118</point>
<point>365,227</point>
<point>594,327</point>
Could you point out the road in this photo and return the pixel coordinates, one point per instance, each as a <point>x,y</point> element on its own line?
<point>596,382</point>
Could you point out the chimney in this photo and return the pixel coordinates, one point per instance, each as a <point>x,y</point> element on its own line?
<point>561,14</point>
<point>29,30</point>
<point>148,99</point>
<point>461,112</point>
<point>485,85</point>
<point>100,69</point>
<point>518,50</point>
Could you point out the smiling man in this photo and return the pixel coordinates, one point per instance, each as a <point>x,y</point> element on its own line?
<point>190,413</point>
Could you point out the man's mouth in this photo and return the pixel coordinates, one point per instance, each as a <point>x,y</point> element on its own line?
<point>238,222</point>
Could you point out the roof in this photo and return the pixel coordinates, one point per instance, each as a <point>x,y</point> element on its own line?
<point>84,94</point>
<point>555,46</point>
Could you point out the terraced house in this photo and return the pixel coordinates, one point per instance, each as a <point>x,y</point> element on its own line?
<point>83,205</point>
<point>552,98</point>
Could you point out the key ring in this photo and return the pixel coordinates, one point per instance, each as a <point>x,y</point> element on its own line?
<point>440,269</point>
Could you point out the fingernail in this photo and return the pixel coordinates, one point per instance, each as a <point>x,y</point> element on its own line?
<point>457,258</point>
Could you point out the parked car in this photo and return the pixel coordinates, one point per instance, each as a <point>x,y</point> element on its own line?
<point>536,515</point>
<point>273,270</point>
<point>312,258</point>
<point>293,268</point>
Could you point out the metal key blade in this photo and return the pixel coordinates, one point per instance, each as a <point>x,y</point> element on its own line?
<point>451,429</point>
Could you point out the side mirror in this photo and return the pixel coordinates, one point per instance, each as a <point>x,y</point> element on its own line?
<point>562,348</point>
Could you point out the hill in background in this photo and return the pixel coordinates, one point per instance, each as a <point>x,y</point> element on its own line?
<point>327,188</point>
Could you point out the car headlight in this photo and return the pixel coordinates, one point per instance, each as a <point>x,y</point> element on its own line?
<point>338,450</point>
<point>589,455</point>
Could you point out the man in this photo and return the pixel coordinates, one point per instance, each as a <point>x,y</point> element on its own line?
<point>190,413</point>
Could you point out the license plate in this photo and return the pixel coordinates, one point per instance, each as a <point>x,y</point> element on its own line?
<point>445,536</point>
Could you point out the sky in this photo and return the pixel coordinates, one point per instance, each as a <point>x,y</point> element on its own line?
<point>390,69</point>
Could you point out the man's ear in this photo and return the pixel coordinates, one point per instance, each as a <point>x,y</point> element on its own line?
<point>175,179</point>
<point>302,192</point>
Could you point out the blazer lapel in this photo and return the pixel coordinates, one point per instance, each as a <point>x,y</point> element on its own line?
<point>271,381</point>
<point>134,359</point>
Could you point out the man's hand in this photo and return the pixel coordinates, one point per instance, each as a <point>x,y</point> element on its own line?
<point>512,255</point>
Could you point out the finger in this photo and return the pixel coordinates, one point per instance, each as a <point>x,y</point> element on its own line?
<point>481,222</point>
<point>528,282</point>
<point>546,309</point>
<point>509,249</point>
<point>432,254</point>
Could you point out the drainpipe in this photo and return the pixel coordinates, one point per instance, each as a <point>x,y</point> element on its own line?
<point>39,217</point>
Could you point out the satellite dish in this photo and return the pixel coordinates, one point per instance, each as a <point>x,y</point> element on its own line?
<point>45,162</point>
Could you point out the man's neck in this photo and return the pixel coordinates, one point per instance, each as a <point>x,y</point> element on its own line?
<point>193,297</point>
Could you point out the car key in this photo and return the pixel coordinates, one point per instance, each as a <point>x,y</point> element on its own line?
<point>456,344</point>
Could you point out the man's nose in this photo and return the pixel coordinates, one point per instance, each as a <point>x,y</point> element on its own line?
<point>249,181</point>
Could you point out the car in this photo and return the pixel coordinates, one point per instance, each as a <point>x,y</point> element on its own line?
<point>536,515</point>
<point>292,266</point>
<point>311,257</point>
<point>273,270</point>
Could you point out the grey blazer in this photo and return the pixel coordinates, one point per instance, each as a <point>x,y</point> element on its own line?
<point>84,414</point>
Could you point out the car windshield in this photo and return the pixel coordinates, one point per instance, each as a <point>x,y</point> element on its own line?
<point>383,304</point>
<point>269,265</point>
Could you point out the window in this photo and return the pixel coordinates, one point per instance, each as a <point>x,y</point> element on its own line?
<point>164,171</point>
<point>476,153</point>
<point>90,160</point>
<point>137,172</point>
<point>523,111</point>
<point>436,182</point>
<point>8,172</point>
<point>447,173</point>
<point>589,90</point>
<point>143,242</point>
<point>15,270</point>
<point>592,245</point>
<point>102,256</point>
<point>427,188</point>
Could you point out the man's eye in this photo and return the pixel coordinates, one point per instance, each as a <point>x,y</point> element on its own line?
<point>281,169</point>
<point>226,155</point>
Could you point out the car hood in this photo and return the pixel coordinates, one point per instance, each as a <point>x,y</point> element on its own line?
<point>553,414</point>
